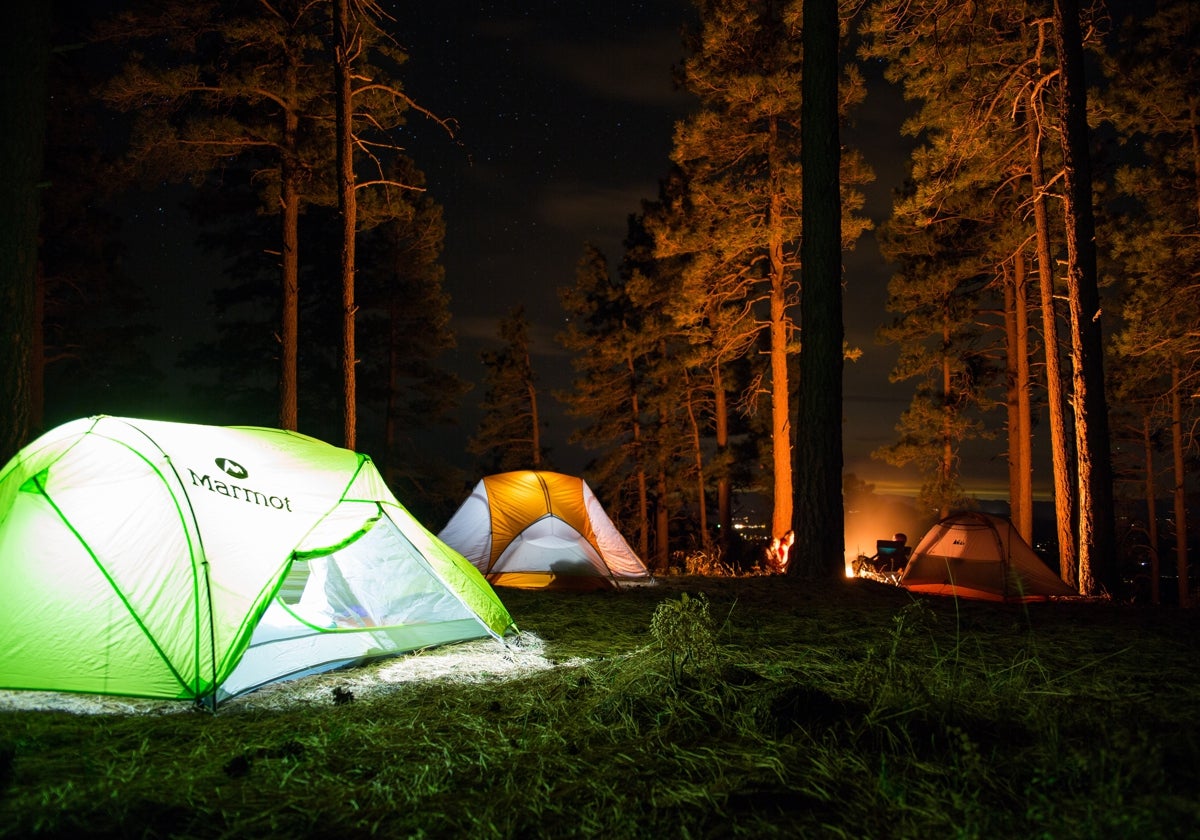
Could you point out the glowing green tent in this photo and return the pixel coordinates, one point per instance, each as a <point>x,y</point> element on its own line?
<point>155,559</point>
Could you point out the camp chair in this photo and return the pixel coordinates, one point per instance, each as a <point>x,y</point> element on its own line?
<point>889,559</point>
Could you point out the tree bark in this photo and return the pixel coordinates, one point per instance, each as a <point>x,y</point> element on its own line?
<point>1015,487</point>
<point>724,493</point>
<point>23,79</point>
<point>1151,511</point>
<point>639,456</point>
<point>1180,489</point>
<point>345,48</point>
<point>1096,528</point>
<point>1064,493</point>
<point>1020,443</point>
<point>535,422</point>
<point>781,433</point>
<point>946,468</point>
<point>820,547</point>
<point>698,458</point>
<point>289,196</point>
<point>662,525</point>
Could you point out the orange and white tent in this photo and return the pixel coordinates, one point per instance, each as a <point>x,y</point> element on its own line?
<point>980,556</point>
<point>534,529</point>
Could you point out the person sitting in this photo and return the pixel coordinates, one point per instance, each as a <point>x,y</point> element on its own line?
<point>770,558</point>
<point>775,554</point>
<point>891,555</point>
<point>785,549</point>
<point>889,558</point>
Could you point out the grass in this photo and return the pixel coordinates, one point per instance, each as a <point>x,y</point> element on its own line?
<point>704,707</point>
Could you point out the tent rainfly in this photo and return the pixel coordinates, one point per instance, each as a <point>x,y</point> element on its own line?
<point>533,529</point>
<point>170,560</point>
<point>980,556</point>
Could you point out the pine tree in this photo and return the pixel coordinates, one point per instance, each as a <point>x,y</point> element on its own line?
<point>715,328</point>
<point>666,389</point>
<point>986,79</point>
<point>509,434</point>
<point>211,82</point>
<point>23,105</point>
<point>602,335</point>
<point>347,47</point>
<point>404,327</point>
<point>1093,449</point>
<point>936,294</point>
<point>91,322</point>
<point>820,540</point>
<point>739,156</point>
<point>1151,100</point>
<point>1018,381</point>
<point>369,105</point>
<point>220,89</point>
<point>943,234</point>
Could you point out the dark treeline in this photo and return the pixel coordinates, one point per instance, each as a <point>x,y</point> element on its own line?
<point>1014,324</point>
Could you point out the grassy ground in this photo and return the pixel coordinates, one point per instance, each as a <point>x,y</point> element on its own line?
<point>702,707</point>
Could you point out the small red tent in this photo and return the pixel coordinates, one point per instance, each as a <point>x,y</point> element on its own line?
<point>977,555</point>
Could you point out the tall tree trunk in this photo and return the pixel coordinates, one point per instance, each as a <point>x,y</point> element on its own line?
<point>721,421</point>
<point>698,457</point>
<point>37,357</point>
<point>1011,421</point>
<point>1020,443</point>
<point>1060,447</point>
<point>1151,510</point>
<point>643,502</point>
<point>946,467</point>
<point>289,197</point>
<point>781,434</point>
<point>1024,406</point>
<point>1015,488</point>
<point>1180,491</point>
<point>24,64</point>
<point>643,492</point>
<point>1096,528</point>
<point>391,408</point>
<point>820,548</point>
<point>662,526</point>
<point>535,422</point>
<point>345,49</point>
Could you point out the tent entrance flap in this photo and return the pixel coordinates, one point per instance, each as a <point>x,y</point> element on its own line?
<point>341,608</point>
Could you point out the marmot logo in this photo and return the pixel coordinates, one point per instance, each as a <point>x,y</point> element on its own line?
<point>231,468</point>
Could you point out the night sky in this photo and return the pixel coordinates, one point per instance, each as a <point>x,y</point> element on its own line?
<point>564,126</point>
<point>565,121</point>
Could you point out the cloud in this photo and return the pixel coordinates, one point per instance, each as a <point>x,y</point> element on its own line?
<point>581,207</point>
<point>596,46</point>
<point>477,332</point>
<point>635,70</point>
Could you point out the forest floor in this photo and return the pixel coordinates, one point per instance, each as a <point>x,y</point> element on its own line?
<point>695,707</point>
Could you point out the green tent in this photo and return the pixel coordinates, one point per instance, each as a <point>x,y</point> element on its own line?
<point>171,560</point>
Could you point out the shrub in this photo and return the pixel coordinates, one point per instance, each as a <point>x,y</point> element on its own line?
<point>684,630</point>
